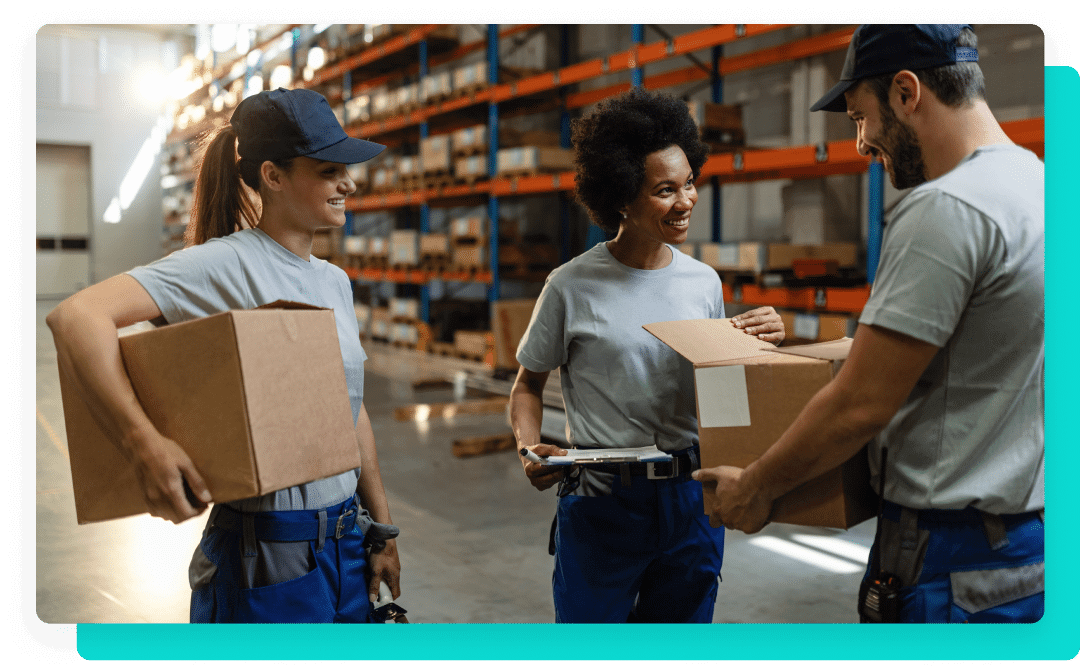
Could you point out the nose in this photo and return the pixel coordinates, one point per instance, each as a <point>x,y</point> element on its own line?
<point>688,196</point>
<point>862,148</point>
<point>349,185</point>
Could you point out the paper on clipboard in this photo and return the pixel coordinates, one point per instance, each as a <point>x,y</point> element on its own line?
<point>609,455</point>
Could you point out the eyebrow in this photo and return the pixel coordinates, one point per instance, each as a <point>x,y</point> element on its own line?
<point>662,182</point>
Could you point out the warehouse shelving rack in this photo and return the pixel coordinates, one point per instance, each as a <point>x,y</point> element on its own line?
<point>411,55</point>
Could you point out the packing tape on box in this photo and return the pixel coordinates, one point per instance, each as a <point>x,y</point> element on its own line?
<point>722,396</point>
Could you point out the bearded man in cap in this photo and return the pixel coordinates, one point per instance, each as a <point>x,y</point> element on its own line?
<point>944,380</point>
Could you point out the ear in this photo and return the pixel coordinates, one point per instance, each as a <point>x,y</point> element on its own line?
<point>905,91</point>
<point>272,175</point>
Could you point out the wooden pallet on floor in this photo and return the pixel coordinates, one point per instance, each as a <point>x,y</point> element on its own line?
<point>484,445</point>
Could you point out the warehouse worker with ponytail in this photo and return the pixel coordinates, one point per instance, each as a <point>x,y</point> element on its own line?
<point>267,558</point>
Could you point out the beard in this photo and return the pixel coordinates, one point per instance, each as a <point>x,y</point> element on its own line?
<point>900,143</point>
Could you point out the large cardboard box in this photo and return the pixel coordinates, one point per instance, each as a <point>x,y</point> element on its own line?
<point>257,398</point>
<point>748,393</point>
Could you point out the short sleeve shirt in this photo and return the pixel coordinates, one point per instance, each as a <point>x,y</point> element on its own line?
<point>622,387</point>
<point>246,270</point>
<point>962,268</point>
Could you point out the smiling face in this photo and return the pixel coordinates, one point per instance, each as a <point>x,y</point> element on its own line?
<point>661,212</point>
<point>880,133</point>
<point>314,192</point>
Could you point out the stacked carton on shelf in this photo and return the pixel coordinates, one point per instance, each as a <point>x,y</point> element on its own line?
<point>468,245</point>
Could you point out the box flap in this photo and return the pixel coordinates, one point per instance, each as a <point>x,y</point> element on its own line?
<point>708,341</point>
<point>290,305</point>
<point>829,350</point>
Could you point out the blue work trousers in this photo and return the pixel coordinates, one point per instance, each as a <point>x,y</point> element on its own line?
<point>963,566</point>
<point>643,553</point>
<point>308,581</point>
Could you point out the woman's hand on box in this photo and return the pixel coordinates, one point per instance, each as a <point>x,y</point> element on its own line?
<point>163,469</point>
<point>763,323</point>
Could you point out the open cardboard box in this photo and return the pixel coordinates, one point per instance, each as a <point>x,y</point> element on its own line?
<point>748,393</point>
<point>257,398</point>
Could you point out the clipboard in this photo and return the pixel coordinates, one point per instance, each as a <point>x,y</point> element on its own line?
<point>576,456</point>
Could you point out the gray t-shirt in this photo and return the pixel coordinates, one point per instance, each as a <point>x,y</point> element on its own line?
<point>622,387</point>
<point>249,269</point>
<point>962,268</point>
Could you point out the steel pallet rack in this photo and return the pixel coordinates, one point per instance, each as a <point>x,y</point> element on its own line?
<point>542,90</point>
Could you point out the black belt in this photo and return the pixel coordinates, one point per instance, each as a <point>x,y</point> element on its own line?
<point>681,464</point>
<point>269,529</point>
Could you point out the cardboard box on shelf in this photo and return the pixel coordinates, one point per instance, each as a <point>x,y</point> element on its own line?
<point>408,309</point>
<point>467,227</point>
<point>471,167</point>
<point>750,257</point>
<point>476,343</point>
<point>257,398</point>
<point>510,317</point>
<point>748,392</point>
<point>434,244</point>
<point>379,324</point>
<point>781,255</point>
<point>435,154</point>
<point>470,140</point>
<point>533,159</point>
<point>815,327</point>
<point>404,247</point>
<point>470,256</point>
<point>327,243</point>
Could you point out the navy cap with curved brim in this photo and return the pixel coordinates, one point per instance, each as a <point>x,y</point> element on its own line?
<point>879,49</point>
<point>286,123</point>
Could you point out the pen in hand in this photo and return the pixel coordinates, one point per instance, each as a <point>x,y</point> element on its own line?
<point>531,456</point>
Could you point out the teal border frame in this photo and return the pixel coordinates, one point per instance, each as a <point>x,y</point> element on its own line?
<point>1055,637</point>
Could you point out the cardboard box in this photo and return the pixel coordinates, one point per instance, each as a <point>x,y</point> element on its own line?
<point>467,227</point>
<point>510,317</point>
<point>750,257</point>
<point>257,398</point>
<point>404,247</point>
<point>534,159</point>
<point>435,154</point>
<point>469,140</point>
<point>471,167</point>
<point>748,392</point>
<point>471,256</point>
<point>434,244</point>
<point>476,343</point>
<point>781,255</point>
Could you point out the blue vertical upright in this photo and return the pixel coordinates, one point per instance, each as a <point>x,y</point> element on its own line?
<point>637,37</point>
<point>493,148</point>
<point>875,203</point>
<point>717,96</point>
<point>564,141</point>
<point>425,211</point>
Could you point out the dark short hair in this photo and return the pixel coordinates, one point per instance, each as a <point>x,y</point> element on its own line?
<point>956,85</point>
<point>612,143</point>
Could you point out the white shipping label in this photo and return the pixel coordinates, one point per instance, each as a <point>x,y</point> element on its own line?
<point>805,325</point>
<point>722,396</point>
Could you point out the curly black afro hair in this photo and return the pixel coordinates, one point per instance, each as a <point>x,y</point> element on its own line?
<point>611,146</point>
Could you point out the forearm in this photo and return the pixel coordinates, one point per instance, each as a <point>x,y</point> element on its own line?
<point>88,355</point>
<point>370,486</point>
<point>526,409</point>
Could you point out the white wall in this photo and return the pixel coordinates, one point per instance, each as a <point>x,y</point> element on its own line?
<point>91,90</point>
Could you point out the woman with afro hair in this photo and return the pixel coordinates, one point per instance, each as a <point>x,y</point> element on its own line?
<point>629,545</point>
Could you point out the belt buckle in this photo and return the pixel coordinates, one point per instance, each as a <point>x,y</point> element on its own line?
<point>651,470</point>
<point>338,533</point>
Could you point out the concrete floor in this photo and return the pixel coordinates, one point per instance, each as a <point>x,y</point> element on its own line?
<point>474,533</point>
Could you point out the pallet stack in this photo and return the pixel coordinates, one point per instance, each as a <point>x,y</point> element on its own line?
<point>468,248</point>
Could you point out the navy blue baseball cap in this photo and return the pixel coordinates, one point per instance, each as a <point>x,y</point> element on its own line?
<point>880,49</point>
<point>286,123</point>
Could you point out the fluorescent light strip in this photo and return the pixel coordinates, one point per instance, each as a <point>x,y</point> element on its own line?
<point>806,555</point>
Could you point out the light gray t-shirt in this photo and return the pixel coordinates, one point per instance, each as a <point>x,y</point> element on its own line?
<point>249,269</point>
<point>622,387</point>
<point>962,267</point>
